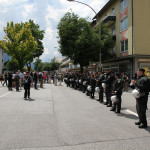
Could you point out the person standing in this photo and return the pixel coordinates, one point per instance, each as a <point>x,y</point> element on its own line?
<point>9,77</point>
<point>5,79</point>
<point>118,87</point>
<point>109,84</point>
<point>41,79</point>
<point>1,78</point>
<point>27,83</point>
<point>99,80</point>
<point>93,84</point>
<point>21,79</point>
<point>55,79</point>
<point>142,85</point>
<point>17,79</point>
<point>35,79</point>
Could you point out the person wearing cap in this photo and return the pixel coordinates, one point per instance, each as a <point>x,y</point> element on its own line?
<point>100,78</point>
<point>27,83</point>
<point>141,84</point>
<point>118,87</point>
<point>109,84</point>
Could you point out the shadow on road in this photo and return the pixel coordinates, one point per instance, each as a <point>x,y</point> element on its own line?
<point>30,99</point>
<point>129,116</point>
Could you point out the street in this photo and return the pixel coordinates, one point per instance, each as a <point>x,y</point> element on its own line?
<point>61,118</point>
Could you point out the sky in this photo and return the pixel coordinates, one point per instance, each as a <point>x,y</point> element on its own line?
<point>46,13</point>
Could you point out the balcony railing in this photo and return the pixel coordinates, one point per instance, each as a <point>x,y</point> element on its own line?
<point>109,20</point>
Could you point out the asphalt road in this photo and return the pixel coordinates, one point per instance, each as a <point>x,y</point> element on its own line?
<point>60,118</point>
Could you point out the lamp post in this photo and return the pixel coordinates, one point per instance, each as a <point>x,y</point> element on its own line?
<point>97,21</point>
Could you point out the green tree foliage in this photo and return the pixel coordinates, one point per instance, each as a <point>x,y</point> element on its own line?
<point>12,65</point>
<point>54,65</point>
<point>36,63</point>
<point>19,43</point>
<point>38,37</point>
<point>51,66</point>
<point>80,42</point>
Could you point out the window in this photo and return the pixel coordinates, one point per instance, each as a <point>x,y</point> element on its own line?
<point>123,4</point>
<point>113,30</point>
<point>124,24</point>
<point>124,46</point>
<point>113,12</point>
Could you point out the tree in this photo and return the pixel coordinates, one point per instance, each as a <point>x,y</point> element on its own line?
<point>54,65</point>
<point>36,63</point>
<point>80,42</point>
<point>47,67</point>
<point>12,65</point>
<point>38,37</point>
<point>19,43</point>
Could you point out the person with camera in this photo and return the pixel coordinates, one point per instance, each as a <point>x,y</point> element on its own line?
<point>27,83</point>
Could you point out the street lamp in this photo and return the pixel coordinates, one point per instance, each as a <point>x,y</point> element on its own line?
<point>97,21</point>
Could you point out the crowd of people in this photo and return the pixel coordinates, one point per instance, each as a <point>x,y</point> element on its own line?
<point>112,84</point>
<point>28,79</point>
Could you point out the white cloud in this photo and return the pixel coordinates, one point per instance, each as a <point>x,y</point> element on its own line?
<point>11,2</point>
<point>29,9</point>
<point>47,14</point>
<point>56,53</point>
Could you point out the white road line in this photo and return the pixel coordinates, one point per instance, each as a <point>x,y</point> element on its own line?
<point>5,94</point>
<point>131,112</point>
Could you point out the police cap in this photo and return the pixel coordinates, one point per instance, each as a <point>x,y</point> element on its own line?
<point>141,69</point>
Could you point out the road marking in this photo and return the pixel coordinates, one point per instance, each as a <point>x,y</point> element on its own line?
<point>131,112</point>
<point>5,94</point>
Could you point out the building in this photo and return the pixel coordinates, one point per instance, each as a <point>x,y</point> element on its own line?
<point>58,59</point>
<point>129,23</point>
<point>1,60</point>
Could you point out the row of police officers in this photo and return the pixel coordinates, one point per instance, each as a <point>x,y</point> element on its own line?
<point>112,85</point>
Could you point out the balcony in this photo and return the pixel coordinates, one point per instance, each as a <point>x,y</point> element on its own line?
<point>110,20</point>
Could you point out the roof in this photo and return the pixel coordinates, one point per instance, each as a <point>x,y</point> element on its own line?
<point>103,9</point>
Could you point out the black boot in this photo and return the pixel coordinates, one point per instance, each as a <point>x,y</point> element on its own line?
<point>137,123</point>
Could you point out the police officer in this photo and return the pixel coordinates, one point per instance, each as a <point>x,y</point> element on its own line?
<point>99,80</point>
<point>88,83</point>
<point>118,86</point>
<point>27,82</point>
<point>93,84</point>
<point>109,84</point>
<point>142,84</point>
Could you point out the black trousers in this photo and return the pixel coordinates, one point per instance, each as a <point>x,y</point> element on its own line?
<point>101,94</point>
<point>27,91</point>
<point>35,84</point>
<point>17,86</point>
<point>84,88</point>
<point>117,105</point>
<point>141,106</point>
<point>92,92</point>
<point>108,96</point>
<point>68,83</point>
<point>5,82</point>
<point>9,85</point>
